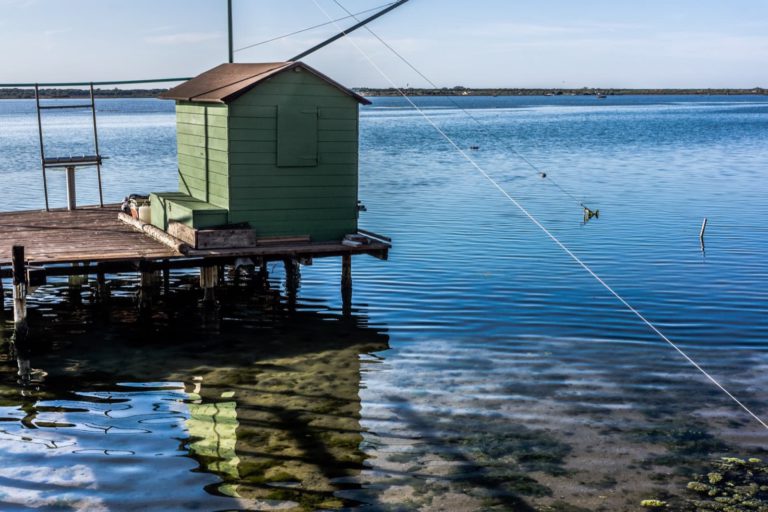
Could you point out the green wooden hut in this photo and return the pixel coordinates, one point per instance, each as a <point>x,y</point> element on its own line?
<point>274,145</point>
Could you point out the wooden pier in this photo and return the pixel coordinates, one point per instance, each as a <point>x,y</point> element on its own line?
<point>88,241</point>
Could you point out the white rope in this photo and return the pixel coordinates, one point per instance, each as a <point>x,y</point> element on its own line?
<point>547,232</point>
<point>541,172</point>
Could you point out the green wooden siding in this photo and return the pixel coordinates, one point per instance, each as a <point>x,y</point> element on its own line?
<point>319,200</point>
<point>296,136</point>
<point>203,149</point>
<point>282,157</point>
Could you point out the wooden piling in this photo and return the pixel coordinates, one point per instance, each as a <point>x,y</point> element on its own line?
<point>292,281</point>
<point>75,285</point>
<point>262,278</point>
<point>292,275</point>
<point>147,281</point>
<point>346,284</point>
<point>166,278</point>
<point>209,276</point>
<point>102,290</point>
<point>346,272</point>
<point>20,327</point>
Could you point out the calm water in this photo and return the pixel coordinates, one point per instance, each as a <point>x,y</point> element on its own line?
<point>480,368</point>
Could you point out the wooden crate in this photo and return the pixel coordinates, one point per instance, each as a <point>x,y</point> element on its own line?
<point>219,238</point>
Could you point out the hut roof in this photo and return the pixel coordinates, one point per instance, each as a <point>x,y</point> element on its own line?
<point>227,82</point>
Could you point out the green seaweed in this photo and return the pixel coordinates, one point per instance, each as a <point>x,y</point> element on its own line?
<point>733,485</point>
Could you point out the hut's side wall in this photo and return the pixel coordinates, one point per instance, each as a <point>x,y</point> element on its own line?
<point>277,197</point>
<point>203,163</point>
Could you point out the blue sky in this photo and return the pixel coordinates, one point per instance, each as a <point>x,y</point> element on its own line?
<point>483,43</point>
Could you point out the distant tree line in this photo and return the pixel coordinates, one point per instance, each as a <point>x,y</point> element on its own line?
<point>19,93</point>
<point>26,93</point>
<point>584,91</point>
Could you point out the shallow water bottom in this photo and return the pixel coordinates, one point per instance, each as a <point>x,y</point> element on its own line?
<point>268,403</point>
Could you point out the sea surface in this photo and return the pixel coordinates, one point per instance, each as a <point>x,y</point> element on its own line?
<point>480,368</point>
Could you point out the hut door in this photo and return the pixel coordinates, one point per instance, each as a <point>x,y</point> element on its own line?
<point>296,136</point>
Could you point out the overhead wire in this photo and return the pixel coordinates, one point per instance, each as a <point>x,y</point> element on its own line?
<point>541,172</point>
<point>549,234</point>
<point>313,27</point>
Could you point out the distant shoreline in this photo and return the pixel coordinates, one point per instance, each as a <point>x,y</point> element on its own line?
<point>468,91</point>
<point>19,93</point>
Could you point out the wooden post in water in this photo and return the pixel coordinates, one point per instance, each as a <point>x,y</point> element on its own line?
<point>2,298</point>
<point>20,327</point>
<point>209,275</point>
<point>146,282</point>
<point>292,281</point>
<point>75,284</point>
<point>262,278</point>
<point>102,290</point>
<point>346,283</point>
<point>166,279</point>
<point>292,275</point>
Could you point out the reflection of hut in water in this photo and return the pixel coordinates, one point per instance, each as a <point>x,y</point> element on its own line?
<point>276,416</point>
<point>286,428</point>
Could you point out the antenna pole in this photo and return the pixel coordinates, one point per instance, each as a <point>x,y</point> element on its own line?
<point>229,30</point>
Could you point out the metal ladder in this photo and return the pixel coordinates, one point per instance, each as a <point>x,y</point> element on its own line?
<point>69,163</point>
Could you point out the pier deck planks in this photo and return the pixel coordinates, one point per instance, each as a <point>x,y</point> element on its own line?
<point>93,234</point>
<point>85,234</point>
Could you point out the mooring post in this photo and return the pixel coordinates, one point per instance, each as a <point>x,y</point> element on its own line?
<point>209,275</point>
<point>20,327</point>
<point>2,297</point>
<point>346,283</point>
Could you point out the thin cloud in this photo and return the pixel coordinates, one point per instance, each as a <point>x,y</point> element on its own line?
<point>183,38</point>
<point>17,3</point>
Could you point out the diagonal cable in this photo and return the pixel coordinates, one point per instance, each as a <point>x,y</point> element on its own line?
<point>549,233</point>
<point>456,104</point>
<point>350,15</point>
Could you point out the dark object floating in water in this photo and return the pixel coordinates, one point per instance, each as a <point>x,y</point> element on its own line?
<point>474,147</point>
<point>588,214</point>
<point>543,174</point>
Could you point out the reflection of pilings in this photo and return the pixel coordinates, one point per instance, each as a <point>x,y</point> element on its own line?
<point>20,327</point>
<point>346,284</point>
<point>25,369</point>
